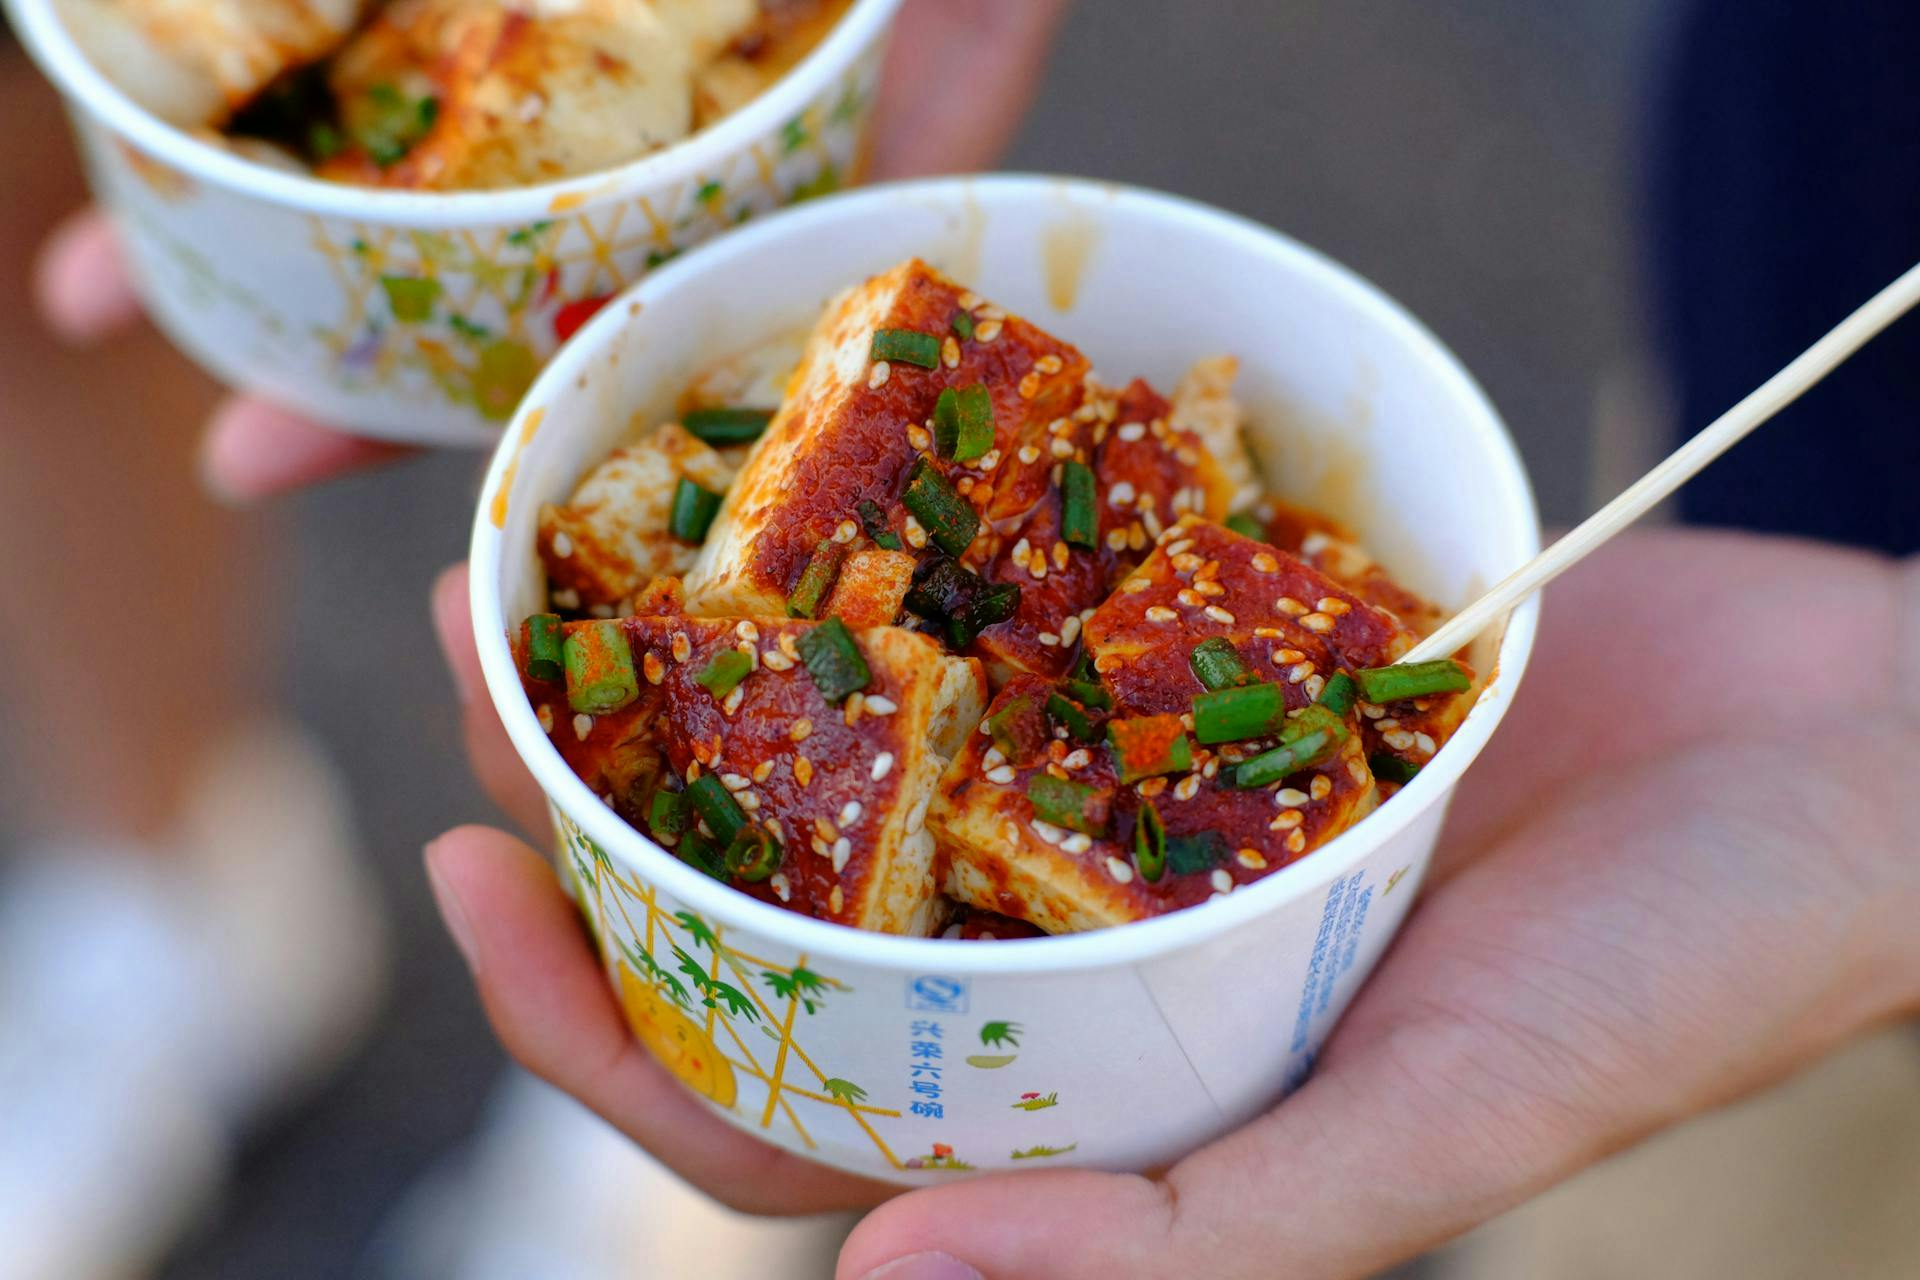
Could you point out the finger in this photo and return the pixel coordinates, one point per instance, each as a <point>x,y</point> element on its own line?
<point>81,282</point>
<point>551,1006</point>
<point>489,750</point>
<point>255,450</point>
<point>996,48</point>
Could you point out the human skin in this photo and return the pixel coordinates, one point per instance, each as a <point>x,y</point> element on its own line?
<point>1682,871</point>
<point>253,449</point>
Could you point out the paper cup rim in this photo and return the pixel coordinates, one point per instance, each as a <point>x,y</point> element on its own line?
<point>1123,944</point>
<point>62,60</point>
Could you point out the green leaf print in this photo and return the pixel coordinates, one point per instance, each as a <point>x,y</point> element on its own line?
<point>845,1090</point>
<point>995,1034</point>
<point>695,926</point>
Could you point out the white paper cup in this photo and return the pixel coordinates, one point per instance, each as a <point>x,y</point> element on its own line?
<point>1121,1049</point>
<point>424,316</point>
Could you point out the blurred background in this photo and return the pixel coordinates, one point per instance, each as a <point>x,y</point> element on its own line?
<point>1489,162</point>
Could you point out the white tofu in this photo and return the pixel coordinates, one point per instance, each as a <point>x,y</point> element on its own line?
<point>1204,404</point>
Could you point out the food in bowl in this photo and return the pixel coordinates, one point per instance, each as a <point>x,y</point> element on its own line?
<point>448,95</point>
<point>959,627</point>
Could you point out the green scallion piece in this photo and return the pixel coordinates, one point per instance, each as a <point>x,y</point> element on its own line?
<point>874,521</point>
<point>991,605</point>
<point>1145,746</point>
<point>1064,803</point>
<point>727,426</point>
<point>1340,693</point>
<point>1072,717</point>
<point>693,511</point>
<point>1310,738</point>
<point>946,423</point>
<point>906,346</point>
<point>1079,511</point>
<point>974,424</point>
<point>1019,729</point>
<point>1392,768</point>
<point>963,325</point>
<point>546,644</point>
<point>1381,685</point>
<point>752,854</point>
<point>716,807</point>
<point>1150,843</point>
<point>834,661</point>
<point>600,675</point>
<point>724,674</point>
<point>816,580</point>
<point>1217,665</point>
<point>1246,526</point>
<point>1088,693</point>
<point>1238,713</point>
<point>669,815</point>
<point>1191,855</point>
<point>948,518</point>
<point>702,854</point>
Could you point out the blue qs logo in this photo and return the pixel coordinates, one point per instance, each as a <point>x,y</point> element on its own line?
<point>935,994</point>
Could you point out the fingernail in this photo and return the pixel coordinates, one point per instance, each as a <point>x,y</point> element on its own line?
<point>451,909</point>
<point>926,1266</point>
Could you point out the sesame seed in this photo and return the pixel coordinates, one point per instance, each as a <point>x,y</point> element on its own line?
<point>1318,623</point>
<point>1188,455</point>
<point>1329,604</point>
<point>1264,563</point>
<point>1134,586</point>
<point>1221,881</point>
<point>915,535</point>
<point>1048,363</point>
<point>1037,566</point>
<point>1029,454</point>
<point>1160,613</point>
<point>1136,536</point>
<point>1289,606</point>
<point>1048,832</point>
<point>774,660</point>
<point>880,706</point>
<point>1185,561</point>
<point>746,630</point>
<point>1219,615</point>
<point>882,764</point>
<point>749,801</point>
<point>844,532</point>
<point>969,300</point>
<point>1315,685</point>
<point>1029,386</point>
<point>1132,431</point>
<point>799,729</point>
<point>836,901</point>
<point>1297,842</point>
<point>1120,871</point>
<point>1299,672</point>
<point>1387,722</point>
<point>878,378</point>
<point>1425,743</point>
<point>989,461</point>
<point>1152,521</point>
<point>1283,656</point>
<point>1003,774</point>
<point>735,781</point>
<point>1180,547</point>
<point>1287,820</point>
<point>655,670</point>
<point>763,771</point>
<point>562,545</point>
<point>601,611</point>
<point>1398,739</point>
<point>681,647</point>
<point>850,813</point>
<point>825,829</point>
<point>1070,629</point>
<point>1187,787</point>
<point>1121,494</point>
<point>1060,555</point>
<point>1151,787</point>
<point>1372,712</point>
<point>1322,786</point>
<point>1061,448</point>
<point>841,850</point>
<point>1287,797</point>
<point>735,696</point>
<point>566,598</point>
<point>1078,758</point>
<point>950,352</point>
<point>1049,639</point>
<point>917,437</point>
<point>1210,769</point>
<point>582,726</point>
<point>1107,663</point>
<point>1357,770</point>
<point>781,887</point>
<point>855,708</point>
<point>986,331</point>
<point>545,716</point>
<point>1190,598</point>
<point>1078,842</point>
<point>1251,860</point>
<point>803,771</point>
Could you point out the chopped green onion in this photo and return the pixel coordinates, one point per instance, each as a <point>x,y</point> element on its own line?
<point>946,423</point>
<point>959,599</point>
<point>716,807</point>
<point>949,519</point>
<point>727,426</point>
<point>1089,693</point>
<point>993,605</point>
<point>1310,738</point>
<point>668,814</point>
<point>546,642</point>
<point>1068,804</point>
<point>1145,746</point>
<point>834,661</point>
<point>874,521</point>
<point>816,580</point>
<point>1217,665</point>
<point>1150,843</point>
<point>1072,717</point>
<point>693,511</point>
<point>963,325</point>
<point>1339,695</point>
<point>701,854</point>
<point>1247,527</point>
<point>1019,729</point>
<point>600,675</point>
<point>724,674</point>
<point>906,346</point>
<point>1190,855</point>
<point>976,424</point>
<point>1079,512</point>
<point>752,854</point>
<point>1240,712</point>
<point>1381,685</point>
<point>1392,768</point>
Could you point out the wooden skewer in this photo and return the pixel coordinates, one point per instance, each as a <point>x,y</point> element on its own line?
<point>1773,395</point>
